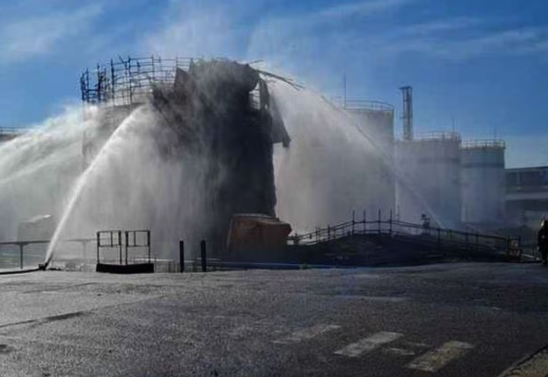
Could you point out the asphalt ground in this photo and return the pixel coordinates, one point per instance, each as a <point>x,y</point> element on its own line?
<point>442,320</point>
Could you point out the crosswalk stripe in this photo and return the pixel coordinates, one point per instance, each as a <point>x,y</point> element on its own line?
<point>368,344</point>
<point>307,333</point>
<point>536,366</point>
<point>434,360</point>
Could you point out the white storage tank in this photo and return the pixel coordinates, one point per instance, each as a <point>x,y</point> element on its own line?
<point>376,121</point>
<point>483,182</point>
<point>428,179</point>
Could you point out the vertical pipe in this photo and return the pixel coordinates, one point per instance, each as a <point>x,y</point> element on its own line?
<point>148,244</point>
<point>98,245</point>
<point>181,256</point>
<point>127,243</point>
<point>120,244</point>
<point>113,91</point>
<point>203,255</point>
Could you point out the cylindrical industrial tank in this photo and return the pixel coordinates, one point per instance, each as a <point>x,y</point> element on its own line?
<point>428,177</point>
<point>483,182</point>
<point>376,121</point>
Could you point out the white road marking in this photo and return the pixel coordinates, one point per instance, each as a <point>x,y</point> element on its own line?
<point>368,344</point>
<point>536,366</point>
<point>434,360</point>
<point>415,344</point>
<point>398,351</point>
<point>307,333</point>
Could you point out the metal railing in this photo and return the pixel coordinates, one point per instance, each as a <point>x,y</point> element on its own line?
<point>367,105</point>
<point>418,233</point>
<point>436,136</point>
<point>122,242</point>
<point>19,256</point>
<point>494,143</point>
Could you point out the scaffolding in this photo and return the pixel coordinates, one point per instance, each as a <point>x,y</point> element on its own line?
<point>129,81</point>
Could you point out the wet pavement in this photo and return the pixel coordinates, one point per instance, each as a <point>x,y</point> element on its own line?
<point>442,320</point>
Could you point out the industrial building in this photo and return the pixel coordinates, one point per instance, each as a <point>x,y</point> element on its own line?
<point>483,189</point>
<point>428,179</point>
<point>376,120</point>
<point>428,173</point>
<point>526,196</point>
<point>447,182</point>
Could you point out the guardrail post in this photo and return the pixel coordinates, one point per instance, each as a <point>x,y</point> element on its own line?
<point>328,233</point>
<point>466,235</point>
<point>353,221</point>
<point>127,243</point>
<point>364,222</point>
<point>203,255</point>
<point>390,222</point>
<point>379,222</point>
<point>120,244</point>
<point>148,244</point>
<point>21,255</point>
<point>181,256</point>
<point>98,245</point>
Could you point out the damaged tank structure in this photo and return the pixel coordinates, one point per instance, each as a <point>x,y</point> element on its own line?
<point>218,112</point>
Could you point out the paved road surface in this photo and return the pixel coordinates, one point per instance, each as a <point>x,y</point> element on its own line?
<point>441,320</point>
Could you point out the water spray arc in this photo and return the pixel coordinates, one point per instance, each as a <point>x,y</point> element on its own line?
<point>80,185</point>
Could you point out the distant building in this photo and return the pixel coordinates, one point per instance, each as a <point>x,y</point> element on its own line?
<point>527,195</point>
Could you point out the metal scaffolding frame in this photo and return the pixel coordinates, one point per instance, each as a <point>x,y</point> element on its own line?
<point>128,81</point>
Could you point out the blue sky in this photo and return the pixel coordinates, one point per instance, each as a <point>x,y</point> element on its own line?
<point>478,66</point>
